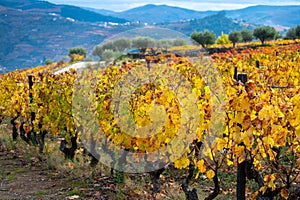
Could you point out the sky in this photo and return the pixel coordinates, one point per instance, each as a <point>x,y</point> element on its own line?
<point>121,5</point>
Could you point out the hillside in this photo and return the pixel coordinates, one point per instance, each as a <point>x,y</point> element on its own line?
<point>268,15</point>
<point>161,13</point>
<point>260,15</point>
<point>76,13</point>
<point>29,37</point>
<point>217,23</point>
<point>157,14</point>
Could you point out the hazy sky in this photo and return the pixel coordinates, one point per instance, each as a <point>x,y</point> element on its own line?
<point>120,5</point>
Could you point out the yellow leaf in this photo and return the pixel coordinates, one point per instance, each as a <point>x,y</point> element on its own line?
<point>239,151</point>
<point>229,162</point>
<point>253,115</point>
<point>269,179</point>
<point>207,152</point>
<point>263,189</point>
<point>201,167</point>
<point>254,195</point>
<point>278,112</point>
<point>182,163</point>
<point>239,118</point>
<point>271,154</point>
<point>222,143</point>
<point>284,193</point>
<point>269,140</point>
<point>267,113</point>
<point>210,174</point>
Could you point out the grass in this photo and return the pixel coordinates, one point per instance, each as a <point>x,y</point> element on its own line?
<point>41,193</point>
<point>74,191</point>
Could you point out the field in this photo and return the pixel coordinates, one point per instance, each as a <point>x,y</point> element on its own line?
<point>225,126</point>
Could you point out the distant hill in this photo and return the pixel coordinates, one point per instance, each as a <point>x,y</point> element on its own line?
<point>217,23</point>
<point>102,11</point>
<point>76,13</point>
<point>268,15</point>
<point>158,13</point>
<point>28,39</point>
<point>33,31</point>
<point>260,15</point>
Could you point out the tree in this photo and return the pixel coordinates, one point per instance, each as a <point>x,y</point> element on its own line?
<point>277,36</point>
<point>179,42</point>
<point>48,62</point>
<point>291,34</point>
<point>204,38</point>
<point>143,42</point>
<point>264,33</point>
<point>297,32</point>
<point>78,50</point>
<point>235,37</point>
<point>165,43</point>
<point>108,55</point>
<point>121,44</point>
<point>223,39</point>
<point>247,35</point>
<point>99,49</point>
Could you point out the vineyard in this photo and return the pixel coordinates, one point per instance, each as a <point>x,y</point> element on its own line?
<point>223,127</point>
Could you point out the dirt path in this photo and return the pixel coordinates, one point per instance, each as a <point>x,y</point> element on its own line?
<point>80,65</point>
<point>24,177</point>
<point>27,179</point>
<point>30,178</point>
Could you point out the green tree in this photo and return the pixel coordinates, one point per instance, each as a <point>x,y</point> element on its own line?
<point>264,33</point>
<point>297,30</point>
<point>247,35</point>
<point>179,42</point>
<point>143,42</point>
<point>78,50</point>
<point>223,39</point>
<point>48,62</point>
<point>109,55</point>
<point>121,44</point>
<point>278,36</point>
<point>165,43</point>
<point>204,38</point>
<point>235,37</point>
<point>291,34</point>
<point>99,49</point>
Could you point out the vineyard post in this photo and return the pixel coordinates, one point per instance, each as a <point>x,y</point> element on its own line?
<point>30,82</point>
<point>235,73</point>
<point>241,173</point>
<point>257,63</point>
<point>243,78</point>
<point>148,64</point>
<point>32,114</point>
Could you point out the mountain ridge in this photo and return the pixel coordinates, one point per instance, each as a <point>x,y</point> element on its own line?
<point>288,15</point>
<point>73,12</point>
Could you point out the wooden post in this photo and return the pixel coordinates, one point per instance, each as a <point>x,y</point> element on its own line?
<point>243,78</point>
<point>32,134</point>
<point>241,173</point>
<point>257,63</point>
<point>235,73</point>
<point>148,64</point>
<point>241,181</point>
<point>30,82</point>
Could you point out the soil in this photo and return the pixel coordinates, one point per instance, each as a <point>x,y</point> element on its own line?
<point>23,178</point>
